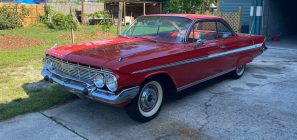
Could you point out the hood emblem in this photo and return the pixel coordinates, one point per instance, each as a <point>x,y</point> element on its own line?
<point>120,59</point>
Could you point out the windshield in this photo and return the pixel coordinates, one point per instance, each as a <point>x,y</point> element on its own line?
<point>168,29</point>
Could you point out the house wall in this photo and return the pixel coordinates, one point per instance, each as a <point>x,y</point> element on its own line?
<point>233,6</point>
<point>278,18</point>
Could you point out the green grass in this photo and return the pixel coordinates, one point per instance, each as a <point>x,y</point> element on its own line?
<point>50,37</point>
<point>22,88</point>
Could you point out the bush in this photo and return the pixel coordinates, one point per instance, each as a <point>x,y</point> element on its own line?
<point>105,24</point>
<point>11,17</point>
<point>187,6</point>
<point>62,22</point>
<point>49,12</point>
<point>100,14</point>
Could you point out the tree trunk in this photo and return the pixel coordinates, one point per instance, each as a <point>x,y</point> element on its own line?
<point>84,20</point>
<point>120,17</point>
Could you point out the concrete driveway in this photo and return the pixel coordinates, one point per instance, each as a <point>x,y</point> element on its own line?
<point>260,105</point>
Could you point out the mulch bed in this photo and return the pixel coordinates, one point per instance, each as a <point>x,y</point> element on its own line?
<point>11,42</point>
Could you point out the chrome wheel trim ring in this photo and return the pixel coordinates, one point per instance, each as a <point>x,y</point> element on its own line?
<point>240,70</point>
<point>150,99</point>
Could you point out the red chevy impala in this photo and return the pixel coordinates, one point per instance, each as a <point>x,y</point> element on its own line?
<point>156,55</point>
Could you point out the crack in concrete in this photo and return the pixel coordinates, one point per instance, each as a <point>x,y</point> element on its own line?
<point>206,107</point>
<point>207,103</point>
<point>63,125</point>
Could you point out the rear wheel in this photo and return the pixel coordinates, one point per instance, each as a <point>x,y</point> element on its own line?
<point>147,104</point>
<point>238,72</point>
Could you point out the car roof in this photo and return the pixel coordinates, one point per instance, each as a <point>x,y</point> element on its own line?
<point>189,16</point>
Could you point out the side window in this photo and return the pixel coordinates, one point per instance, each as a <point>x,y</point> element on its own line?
<point>223,31</point>
<point>203,31</point>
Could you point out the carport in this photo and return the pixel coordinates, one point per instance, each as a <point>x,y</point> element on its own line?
<point>276,19</point>
<point>280,22</point>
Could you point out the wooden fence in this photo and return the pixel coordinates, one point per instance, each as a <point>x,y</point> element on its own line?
<point>233,18</point>
<point>35,11</point>
<point>64,8</point>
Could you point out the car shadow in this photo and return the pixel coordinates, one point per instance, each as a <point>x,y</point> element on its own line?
<point>197,88</point>
<point>34,99</point>
<point>95,118</point>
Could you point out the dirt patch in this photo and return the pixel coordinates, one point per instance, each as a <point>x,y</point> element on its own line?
<point>79,37</point>
<point>178,130</point>
<point>11,42</point>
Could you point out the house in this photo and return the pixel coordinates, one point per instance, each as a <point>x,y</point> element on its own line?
<point>273,18</point>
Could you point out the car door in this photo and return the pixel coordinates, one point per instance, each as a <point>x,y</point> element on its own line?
<point>202,38</point>
<point>229,42</point>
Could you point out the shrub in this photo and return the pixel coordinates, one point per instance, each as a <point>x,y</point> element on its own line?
<point>62,22</point>
<point>105,24</point>
<point>187,6</point>
<point>49,12</point>
<point>100,14</point>
<point>11,17</point>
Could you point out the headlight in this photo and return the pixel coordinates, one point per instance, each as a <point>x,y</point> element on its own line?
<point>49,64</point>
<point>99,80</point>
<point>111,82</point>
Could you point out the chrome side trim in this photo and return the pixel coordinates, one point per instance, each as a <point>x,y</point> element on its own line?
<point>203,80</point>
<point>172,64</point>
<point>211,56</point>
<point>251,47</point>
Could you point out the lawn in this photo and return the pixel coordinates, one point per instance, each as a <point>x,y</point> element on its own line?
<point>22,88</point>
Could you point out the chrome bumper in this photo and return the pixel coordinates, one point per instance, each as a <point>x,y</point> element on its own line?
<point>264,49</point>
<point>90,90</point>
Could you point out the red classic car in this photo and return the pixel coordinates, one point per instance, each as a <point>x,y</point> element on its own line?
<point>157,54</point>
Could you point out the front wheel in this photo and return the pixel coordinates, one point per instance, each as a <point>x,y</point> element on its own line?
<point>238,72</point>
<point>148,102</point>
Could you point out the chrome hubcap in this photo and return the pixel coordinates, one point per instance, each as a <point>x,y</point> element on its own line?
<point>240,70</point>
<point>148,98</point>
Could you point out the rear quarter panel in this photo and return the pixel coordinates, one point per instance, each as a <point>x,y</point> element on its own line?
<point>250,41</point>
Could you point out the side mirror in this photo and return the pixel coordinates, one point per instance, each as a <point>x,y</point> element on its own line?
<point>200,42</point>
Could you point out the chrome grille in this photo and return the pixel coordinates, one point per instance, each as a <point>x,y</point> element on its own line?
<point>85,73</point>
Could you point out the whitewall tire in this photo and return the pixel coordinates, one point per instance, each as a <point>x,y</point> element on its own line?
<point>147,104</point>
<point>238,72</point>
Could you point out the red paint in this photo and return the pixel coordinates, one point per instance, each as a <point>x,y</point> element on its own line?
<point>141,54</point>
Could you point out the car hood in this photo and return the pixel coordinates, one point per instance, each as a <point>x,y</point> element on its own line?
<point>112,53</point>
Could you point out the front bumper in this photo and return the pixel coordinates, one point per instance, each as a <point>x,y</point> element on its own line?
<point>89,90</point>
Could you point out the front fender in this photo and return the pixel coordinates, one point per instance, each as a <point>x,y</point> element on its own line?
<point>160,73</point>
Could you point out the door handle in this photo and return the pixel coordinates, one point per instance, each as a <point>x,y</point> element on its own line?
<point>223,47</point>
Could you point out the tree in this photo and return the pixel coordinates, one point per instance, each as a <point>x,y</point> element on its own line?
<point>187,6</point>
<point>84,19</point>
